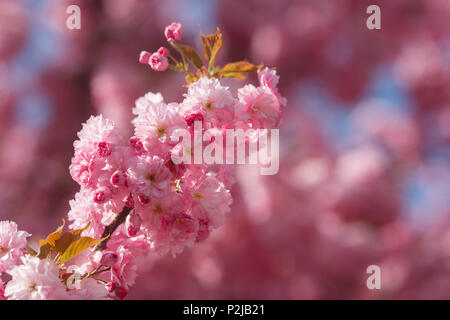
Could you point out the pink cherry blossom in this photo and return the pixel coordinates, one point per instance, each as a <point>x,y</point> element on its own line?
<point>149,176</point>
<point>124,271</point>
<point>211,201</point>
<point>260,105</point>
<point>173,32</point>
<point>210,99</point>
<point>12,245</point>
<point>35,279</point>
<point>158,62</point>
<point>157,123</point>
<point>163,51</point>
<point>144,57</point>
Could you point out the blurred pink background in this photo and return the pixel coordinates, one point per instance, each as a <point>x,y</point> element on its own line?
<point>364,171</point>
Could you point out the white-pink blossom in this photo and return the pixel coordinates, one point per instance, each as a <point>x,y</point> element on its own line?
<point>210,99</point>
<point>12,245</point>
<point>148,175</point>
<point>260,106</point>
<point>173,32</point>
<point>35,279</point>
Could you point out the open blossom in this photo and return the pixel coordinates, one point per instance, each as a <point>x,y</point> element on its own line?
<point>268,77</point>
<point>259,105</point>
<point>83,211</point>
<point>210,99</point>
<point>124,271</point>
<point>149,176</point>
<point>35,279</point>
<point>12,245</point>
<point>98,143</point>
<point>178,230</point>
<point>173,32</point>
<point>158,62</point>
<point>212,201</point>
<point>98,136</point>
<point>157,124</point>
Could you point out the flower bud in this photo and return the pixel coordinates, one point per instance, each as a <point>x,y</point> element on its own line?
<point>144,57</point>
<point>108,259</point>
<point>118,178</point>
<point>190,119</point>
<point>163,51</point>
<point>158,62</point>
<point>120,292</point>
<point>103,149</point>
<point>136,144</point>
<point>101,195</point>
<point>133,224</point>
<point>173,32</point>
<point>143,199</point>
<point>129,201</point>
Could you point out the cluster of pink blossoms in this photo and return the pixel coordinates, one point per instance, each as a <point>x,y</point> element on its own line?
<point>165,206</point>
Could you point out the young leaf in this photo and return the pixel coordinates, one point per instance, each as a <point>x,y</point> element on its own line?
<point>78,246</point>
<point>238,69</point>
<point>44,249</point>
<point>192,56</point>
<point>212,45</point>
<point>240,66</point>
<point>30,251</point>
<point>67,238</point>
<point>52,237</point>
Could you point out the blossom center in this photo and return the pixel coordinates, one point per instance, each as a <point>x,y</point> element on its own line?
<point>151,177</point>
<point>3,250</point>
<point>198,196</point>
<point>161,131</point>
<point>32,287</point>
<point>209,106</point>
<point>158,209</point>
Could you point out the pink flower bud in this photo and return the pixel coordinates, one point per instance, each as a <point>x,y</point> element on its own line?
<point>111,286</point>
<point>109,258</point>
<point>158,62</point>
<point>118,178</point>
<point>103,149</point>
<point>101,195</point>
<point>177,169</point>
<point>129,201</point>
<point>144,57</point>
<point>136,144</point>
<point>133,224</point>
<point>190,119</point>
<point>173,32</point>
<point>163,51</point>
<point>121,293</point>
<point>143,199</point>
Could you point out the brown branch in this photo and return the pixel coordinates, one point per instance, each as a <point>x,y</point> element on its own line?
<point>109,229</point>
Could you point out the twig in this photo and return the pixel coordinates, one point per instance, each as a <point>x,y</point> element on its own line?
<point>109,229</point>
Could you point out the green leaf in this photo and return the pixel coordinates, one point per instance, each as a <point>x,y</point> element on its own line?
<point>212,45</point>
<point>77,247</point>
<point>192,56</point>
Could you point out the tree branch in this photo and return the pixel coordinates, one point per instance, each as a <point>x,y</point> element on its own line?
<point>109,229</point>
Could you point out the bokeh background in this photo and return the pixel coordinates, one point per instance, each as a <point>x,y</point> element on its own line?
<point>364,174</point>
